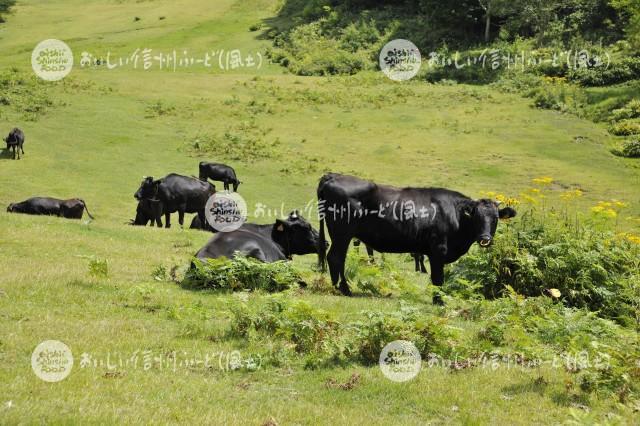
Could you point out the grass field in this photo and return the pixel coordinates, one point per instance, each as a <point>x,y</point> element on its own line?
<point>105,129</point>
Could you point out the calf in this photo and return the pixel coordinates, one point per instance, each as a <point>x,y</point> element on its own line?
<point>15,141</point>
<point>219,172</point>
<point>148,211</point>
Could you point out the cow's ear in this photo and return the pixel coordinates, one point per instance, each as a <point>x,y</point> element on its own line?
<point>506,213</point>
<point>468,207</point>
<point>280,225</point>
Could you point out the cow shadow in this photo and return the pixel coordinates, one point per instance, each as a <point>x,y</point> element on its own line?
<point>6,154</point>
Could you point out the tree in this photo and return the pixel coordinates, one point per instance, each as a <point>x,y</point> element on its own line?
<point>492,8</point>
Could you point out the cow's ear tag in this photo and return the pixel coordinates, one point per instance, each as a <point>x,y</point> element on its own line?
<point>467,213</point>
<point>280,228</point>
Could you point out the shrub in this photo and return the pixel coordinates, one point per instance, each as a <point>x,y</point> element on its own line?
<point>371,335</point>
<point>617,72</point>
<point>591,267</point>
<point>625,128</point>
<point>245,142</point>
<point>240,273</point>
<point>630,110</point>
<point>630,149</point>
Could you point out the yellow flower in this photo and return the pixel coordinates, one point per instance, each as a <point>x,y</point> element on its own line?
<point>543,181</point>
<point>528,199</point>
<point>632,238</point>
<point>619,204</point>
<point>570,195</point>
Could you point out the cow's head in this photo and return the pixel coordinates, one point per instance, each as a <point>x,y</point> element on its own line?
<point>295,235</point>
<point>10,208</point>
<point>236,184</point>
<point>148,189</point>
<point>484,215</point>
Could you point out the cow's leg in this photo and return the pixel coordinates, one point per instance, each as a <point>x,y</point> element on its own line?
<point>22,148</point>
<point>203,220</point>
<point>336,258</point>
<point>437,271</point>
<point>226,185</point>
<point>167,220</point>
<point>181,210</point>
<point>437,278</point>
<point>370,254</point>
<point>416,261</point>
<point>423,269</point>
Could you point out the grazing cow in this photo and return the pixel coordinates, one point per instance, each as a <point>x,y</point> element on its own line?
<point>267,243</point>
<point>148,211</point>
<point>15,141</point>
<point>219,172</point>
<point>71,209</point>
<point>436,222</point>
<point>418,259</point>
<point>176,193</point>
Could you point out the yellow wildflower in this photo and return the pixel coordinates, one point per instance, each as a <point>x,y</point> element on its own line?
<point>543,181</point>
<point>570,195</point>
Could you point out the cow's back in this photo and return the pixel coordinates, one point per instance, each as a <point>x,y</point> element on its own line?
<point>245,241</point>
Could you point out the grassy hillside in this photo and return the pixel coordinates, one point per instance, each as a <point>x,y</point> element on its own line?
<point>101,130</point>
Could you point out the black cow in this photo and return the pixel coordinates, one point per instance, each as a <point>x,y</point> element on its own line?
<point>148,211</point>
<point>196,223</point>
<point>71,209</point>
<point>267,243</point>
<point>219,172</point>
<point>15,141</point>
<point>176,193</point>
<point>418,259</point>
<point>436,222</point>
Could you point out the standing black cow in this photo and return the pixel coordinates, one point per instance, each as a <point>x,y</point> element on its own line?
<point>15,141</point>
<point>219,172</point>
<point>176,193</point>
<point>148,211</point>
<point>267,243</point>
<point>71,209</point>
<point>436,222</point>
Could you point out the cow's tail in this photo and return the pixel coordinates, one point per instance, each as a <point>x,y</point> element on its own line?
<point>322,248</point>
<point>85,207</point>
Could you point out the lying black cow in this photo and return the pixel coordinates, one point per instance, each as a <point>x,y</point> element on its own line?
<point>436,222</point>
<point>219,172</point>
<point>267,243</point>
<point>176,193</point>
<point>148,211</point>
<point>71,209</point>
<point>418,259</point>
<point>15,141</point>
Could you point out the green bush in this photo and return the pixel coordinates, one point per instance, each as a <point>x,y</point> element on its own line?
<point>630,149</point>
<point>240,273</point>
<point>617,72</point>
<point>591,268</point>
<point>630,110</point>
<point>625,128</point>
